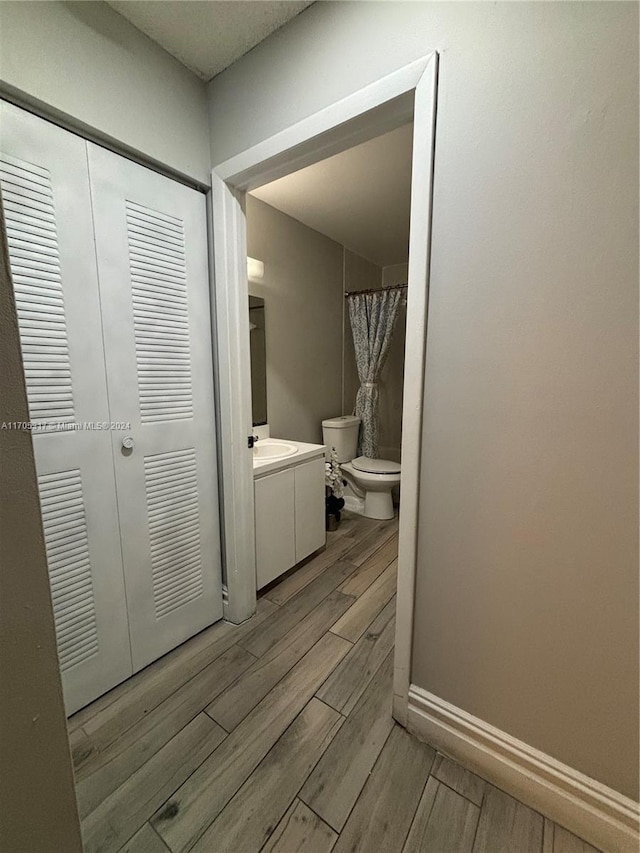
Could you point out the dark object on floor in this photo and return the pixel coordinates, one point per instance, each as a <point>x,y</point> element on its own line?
<point>333,505</point>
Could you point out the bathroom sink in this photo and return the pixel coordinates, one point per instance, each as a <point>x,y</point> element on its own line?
<point>268,449</point>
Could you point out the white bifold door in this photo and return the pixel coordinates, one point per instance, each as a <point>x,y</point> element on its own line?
<point>109,267</point>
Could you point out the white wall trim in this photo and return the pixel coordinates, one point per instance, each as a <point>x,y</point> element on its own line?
<point>393,100</point>
<point>591,810</point>
<point>414,376</point>
<point>231,335</point>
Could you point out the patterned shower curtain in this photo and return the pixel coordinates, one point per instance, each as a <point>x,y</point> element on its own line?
<point>372,317</point>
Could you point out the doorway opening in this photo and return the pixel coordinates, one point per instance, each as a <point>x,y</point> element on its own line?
<point>408,95</point>
<point>330,247</point>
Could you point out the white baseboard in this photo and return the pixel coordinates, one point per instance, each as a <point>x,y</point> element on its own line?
<point>591,810</point>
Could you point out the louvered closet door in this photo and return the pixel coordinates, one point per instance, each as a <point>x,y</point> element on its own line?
<point>47,206</point>
<point>152,266</point>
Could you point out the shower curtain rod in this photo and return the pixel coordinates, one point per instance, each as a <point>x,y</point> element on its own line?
<point>375,290</point>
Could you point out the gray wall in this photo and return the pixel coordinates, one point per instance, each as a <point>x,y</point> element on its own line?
<point>39,811</point>
<point>85,61</point>
<point>302,290</point>
<point>527,592</point>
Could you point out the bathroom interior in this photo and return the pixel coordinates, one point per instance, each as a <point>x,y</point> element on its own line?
<point>320,241</point>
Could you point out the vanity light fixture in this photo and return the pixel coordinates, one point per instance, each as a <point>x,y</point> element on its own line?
<point>255,269</point>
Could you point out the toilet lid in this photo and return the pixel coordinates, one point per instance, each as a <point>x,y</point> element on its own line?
<point>376,466</point>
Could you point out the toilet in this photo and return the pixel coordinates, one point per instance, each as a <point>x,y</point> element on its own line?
<point>369,481</point>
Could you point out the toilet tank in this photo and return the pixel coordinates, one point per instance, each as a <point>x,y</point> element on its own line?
<point>342,433</point>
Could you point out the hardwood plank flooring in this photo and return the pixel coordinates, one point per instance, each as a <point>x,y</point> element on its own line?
<point>235,703</point>
<point>359,616</point>
<point>372,568</point>
<point>259,641</point>
<point>118,817</point>
<point>383,813</point>
<point>462,781</point>
<point>507,825</point>
<point>335,784</point>
<point>565,842</point>
<point>247,822</point>
<point>109,769</point>
<point>300,829</point>
<point>276,735</point>
<point>547,836</point>
<point>445,822</point>
<point>188,813</point>
<point>146,840</point>
<point>350,678</point>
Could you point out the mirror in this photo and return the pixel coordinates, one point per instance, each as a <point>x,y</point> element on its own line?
<point>258,361</point>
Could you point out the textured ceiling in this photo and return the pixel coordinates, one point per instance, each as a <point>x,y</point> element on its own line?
<point>208,35</point>
<point>360,198</point>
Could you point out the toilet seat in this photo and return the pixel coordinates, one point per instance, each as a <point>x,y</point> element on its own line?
<point>375,466</point>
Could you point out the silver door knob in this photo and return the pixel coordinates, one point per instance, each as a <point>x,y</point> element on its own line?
<point>128,442</point>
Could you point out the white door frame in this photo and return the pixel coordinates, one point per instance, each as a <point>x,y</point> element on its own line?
<point>377,108</point>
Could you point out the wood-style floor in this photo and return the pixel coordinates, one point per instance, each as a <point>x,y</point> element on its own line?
<point>277,736</point>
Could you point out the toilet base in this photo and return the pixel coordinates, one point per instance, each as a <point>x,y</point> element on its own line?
<point>377,505</point>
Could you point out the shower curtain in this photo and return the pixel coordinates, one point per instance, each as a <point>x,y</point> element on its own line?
<point>372,317</point>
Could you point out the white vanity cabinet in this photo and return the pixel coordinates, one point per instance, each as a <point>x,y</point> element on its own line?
<point>309,507</point>
<point>275,525</point>
<point>290,517</point>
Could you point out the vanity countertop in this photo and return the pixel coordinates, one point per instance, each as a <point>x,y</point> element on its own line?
<point>305,452</point>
